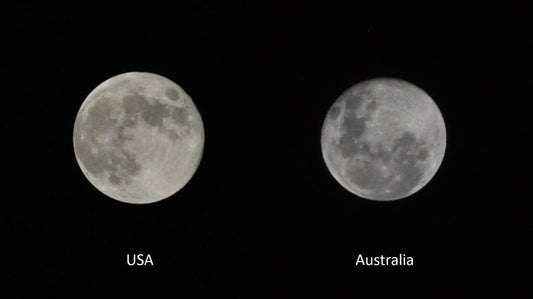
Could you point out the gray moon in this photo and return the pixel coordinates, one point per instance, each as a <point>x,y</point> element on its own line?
<point>138,137</point>
<point>383,139</point>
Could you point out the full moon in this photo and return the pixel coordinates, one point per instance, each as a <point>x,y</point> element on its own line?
<point>383,139</point>
<point>138,137</point>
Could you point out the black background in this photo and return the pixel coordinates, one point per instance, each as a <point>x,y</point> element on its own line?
<point>262,217</point>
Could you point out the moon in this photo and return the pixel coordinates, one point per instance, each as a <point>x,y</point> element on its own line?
<point>383,139</point>
<point>138,137</point>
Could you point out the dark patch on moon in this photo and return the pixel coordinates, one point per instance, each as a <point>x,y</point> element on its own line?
<point>134,103</point>
<point>151,113</point>
<point>154,115</point>
<point>172,135</point>
<point>115,180</point>
<point>372,106</point>
<point>334,112</point>
<point>354,126</point>
<point>409,146</point>
<point>178,114</point>
<point>172,94</point>
<point>99,117</point>
<point>354,98</point>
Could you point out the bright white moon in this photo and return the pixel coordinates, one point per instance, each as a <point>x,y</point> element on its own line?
<point>138,137</point>
<point>383,139</point>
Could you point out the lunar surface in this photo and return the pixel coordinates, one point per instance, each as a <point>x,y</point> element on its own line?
<point>138,137</point>
<point>383,139</point>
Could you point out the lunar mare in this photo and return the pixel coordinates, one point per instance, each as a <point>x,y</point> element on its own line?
<point>383,139</point>
<point>138,137</point>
